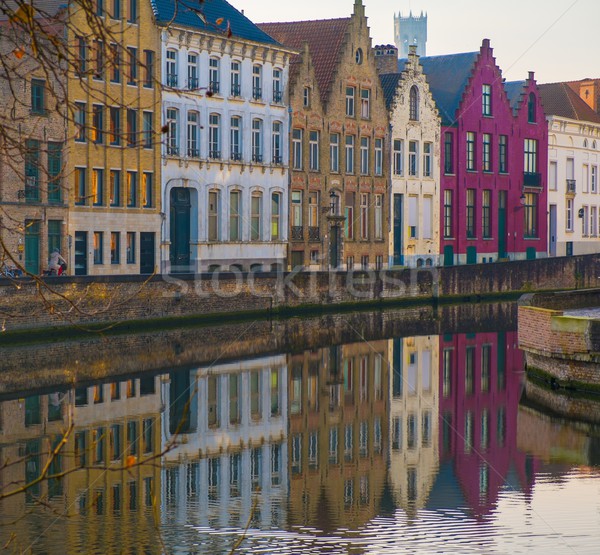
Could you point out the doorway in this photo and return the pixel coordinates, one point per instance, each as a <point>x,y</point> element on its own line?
<point>398,254</point>
<point>179,255</point>
<point>552,231</point>
<point>32,246</point>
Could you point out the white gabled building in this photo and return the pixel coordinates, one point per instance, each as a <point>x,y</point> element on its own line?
<point>573,166</point>
<point>414,238</point>
<point>226,127</point>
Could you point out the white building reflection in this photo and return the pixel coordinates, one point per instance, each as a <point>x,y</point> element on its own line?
<point>225,433</point>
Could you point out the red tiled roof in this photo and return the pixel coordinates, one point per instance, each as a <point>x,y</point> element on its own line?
<point>325,39</point>
<point>559,99</point>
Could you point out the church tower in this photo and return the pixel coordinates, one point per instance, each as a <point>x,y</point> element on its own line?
<point>410,30</point>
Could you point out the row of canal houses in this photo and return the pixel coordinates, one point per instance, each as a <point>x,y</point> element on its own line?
<point>203,142</point>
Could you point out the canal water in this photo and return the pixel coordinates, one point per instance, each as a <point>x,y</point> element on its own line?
<point>395,444</point>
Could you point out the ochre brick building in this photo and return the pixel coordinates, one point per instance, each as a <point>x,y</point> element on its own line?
<point>338,158</point>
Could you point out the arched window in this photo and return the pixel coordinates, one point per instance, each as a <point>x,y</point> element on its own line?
<point>171,68</point>
<point>414,104</point>
<point>173,131</point>
<point>531,116</point>
<point>277,145</point>
<point>193,139</point>
<point>585,143</point>
<point>214,136</point>
<point>257,150</point>
<point>594,145</point>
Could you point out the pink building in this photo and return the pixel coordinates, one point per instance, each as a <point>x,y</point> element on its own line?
<point>494,150</point>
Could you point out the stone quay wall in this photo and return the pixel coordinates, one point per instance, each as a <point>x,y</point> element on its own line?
<point>79,301</point>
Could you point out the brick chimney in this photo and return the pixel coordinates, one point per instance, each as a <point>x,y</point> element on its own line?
<point>386,58</point>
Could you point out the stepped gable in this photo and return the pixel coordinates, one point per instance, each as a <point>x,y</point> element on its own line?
<point>204,14</point>
<point>325,39</point>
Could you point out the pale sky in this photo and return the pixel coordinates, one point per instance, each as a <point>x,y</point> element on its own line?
<point>558,39</point>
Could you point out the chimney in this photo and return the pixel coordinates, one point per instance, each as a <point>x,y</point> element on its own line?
<point>485,44</point>
<point>531,76</point>
<point>386,58</point>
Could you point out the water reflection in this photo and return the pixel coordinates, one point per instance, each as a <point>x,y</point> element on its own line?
<point>331,450</point>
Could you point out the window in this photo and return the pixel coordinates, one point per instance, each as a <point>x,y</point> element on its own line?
<point>378,156</point>
<point>81,58</point>
<point>131,189</point>
<point>133,11</point>
<point>255,216</point>
<point>97,123</point>
<point>234,408</point>
<point>256,82</point>
<point>296,214</point>
<point>80,188</point>
<point>131,247</point>
<point>133,66</point>
<point>98,251</point>
<point>192,71</point>
<point>584,220</point>
<point>235,138</point>
<point>79,120</point>
<point>115,247</point>
<point>378,216</point>
<point>234,216</point>
<point>486,100</point>
<point>364,155</point>
<point>275,216</point>
<point>349,153</point>
<point>552,176</point>
<point>470,213</point>
<point>334,152</point>
<point>147,129</point>
<point>427,153</point>
<point>255,408</point>
<point>171,72</point>
<point>349,213</point>
<point>97,187</point>
<point>531,108</point>
<point>149,69</point>
<point>313,209</point>
<point>214,136</point>
<point>115,188</point>
<point>530,155</point>
<point>427,217</point>
<point>593,221</point>
<point>32,170</point>
<point>132,118</point>
<point>213,215</point>
<point>585,178</point>
<point>313,151</point>
<point>531,215</point>
<point>55,172</point>
<point>172,132</point>
<point>235,79</point>
<point>413,216</point>
<point>413,158</point>
<point>350,96</point>
<point>486,154</point>
<point>114,125</point>
<point>276,143</point>
<point>275,396</point>
<point>398,157</point>
<point>569,215</point>
<point>147,190</point>
<point>364,216</point>
<point>413,104</point>
<point>257,140</point>
<point>448,153</point>
<point>306,97</point>
<point>277,87</point>
<point>365,106</point>
<point>594,179</point>
<point>99,59</point>
<point>297,149</point>
<point>486,213</point>
<point>470,151</point>
<point>213,75</point>
<point>503,154</point>
<point>116,64</point>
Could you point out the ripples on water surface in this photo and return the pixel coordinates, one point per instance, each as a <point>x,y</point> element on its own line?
<point>406,445</point>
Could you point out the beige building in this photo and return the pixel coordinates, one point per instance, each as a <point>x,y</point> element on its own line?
<point>414,238</point>
<point>113,139</point>
<point>338,145</point>
<point>33,210</point>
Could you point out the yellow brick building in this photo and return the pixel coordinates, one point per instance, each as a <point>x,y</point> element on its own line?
<point>113,138</point>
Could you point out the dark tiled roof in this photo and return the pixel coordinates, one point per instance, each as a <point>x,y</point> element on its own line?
<point>447,77</point>
<point>389,84</point>
<point>325,39</point>
<point>186,13</point>
<point>514,91</point>
<point>559,99</point>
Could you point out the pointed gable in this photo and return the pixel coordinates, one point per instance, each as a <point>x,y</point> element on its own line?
<point>559,99</point>
<point>448,77</point>
<point>203,15</point>
<point>325,39</point>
